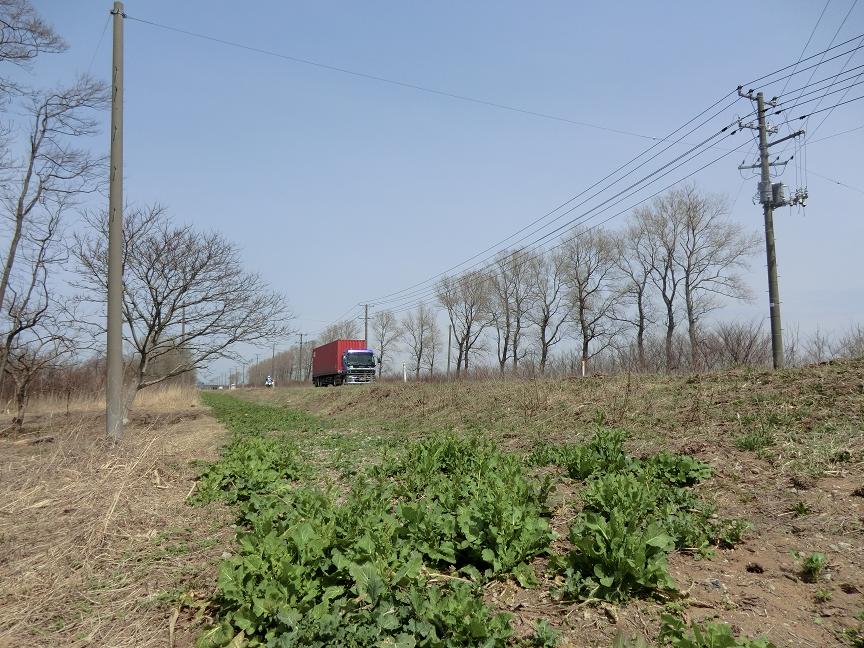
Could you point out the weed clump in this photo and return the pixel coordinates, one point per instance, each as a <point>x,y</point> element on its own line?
<point>675,633</point>
<point>635,511</point>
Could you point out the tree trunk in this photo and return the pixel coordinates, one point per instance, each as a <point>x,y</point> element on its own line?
<point>670,331</point>
<point>20,405</point>
<point>640,337</point>
<point>691,331</point>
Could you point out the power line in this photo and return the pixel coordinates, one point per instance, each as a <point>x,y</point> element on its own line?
<point>583,218</point>
<point>546,215</point>
<point>99,43</point>
<point>420,295</point>
<point>395,82</point>
<point>616,214</point>
<point>807,44</point>
<point>842,184</point>
<point>407,294</point>
<point>845,132</point>
<point>578,195</point>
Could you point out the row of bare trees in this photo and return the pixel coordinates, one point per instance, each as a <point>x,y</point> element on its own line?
<point>674,262</point>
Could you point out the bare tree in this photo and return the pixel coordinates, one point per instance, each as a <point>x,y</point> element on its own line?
<point>183,290</point>
<point>851,343</point>
<point>737,344</point>
<point>710,254</point>
<point>52,172</point>
<point>42,346</point>
<point>593,290</point>
<point>508,305</point>
<point>818,347</point>
<point>549,307</point>
<point>417,328</point>
<point>386,330</point>
<point>35,337</point>
<point>634,261</point>
<point>24,35</point>
<point>434,342</point>
<point>662,229</point>
<point>466,300</point>
<point>348,329</point>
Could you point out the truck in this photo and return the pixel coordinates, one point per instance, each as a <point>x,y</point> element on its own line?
<point>342,361</point>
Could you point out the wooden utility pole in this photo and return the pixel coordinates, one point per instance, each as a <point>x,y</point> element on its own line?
<point>114,347</point>
<point>770,196</point>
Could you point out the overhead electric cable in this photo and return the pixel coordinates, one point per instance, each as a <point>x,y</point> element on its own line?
<point>382,79</point>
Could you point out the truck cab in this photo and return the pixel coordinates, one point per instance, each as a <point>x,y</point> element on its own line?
<point>358,365</point>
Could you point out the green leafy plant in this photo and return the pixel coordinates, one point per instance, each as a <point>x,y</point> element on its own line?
<point>603,453</point>
<point>465,503</point>
<point>801,508</point>
<point>250,465</point>
<point>822,595</point>
<point>615,558</point>
<point>545,636</point>
<point>371,565</point>
<point>812,566</point>
<point>675,633</point>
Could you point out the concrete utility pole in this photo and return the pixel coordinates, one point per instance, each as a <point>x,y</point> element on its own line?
<point>770,196</point>
<point>114,350</point>
<point>273,363</point>
<point>300,359</point>
<point>366,325</point>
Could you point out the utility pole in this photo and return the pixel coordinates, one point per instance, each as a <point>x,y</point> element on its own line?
<point>771,196</point>
<point>273,363</point>
<point>300,359</point>
<point>366,325</point>
<point>449,346</point>
<point>114,344</point>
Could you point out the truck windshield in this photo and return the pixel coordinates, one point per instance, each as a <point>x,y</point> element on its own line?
<point>360,359</point>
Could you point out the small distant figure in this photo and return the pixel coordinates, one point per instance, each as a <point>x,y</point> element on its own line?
<point>268,382</point>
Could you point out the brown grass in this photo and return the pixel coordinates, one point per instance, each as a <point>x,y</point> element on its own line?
<point>156,399</point>
<point>96,541</point>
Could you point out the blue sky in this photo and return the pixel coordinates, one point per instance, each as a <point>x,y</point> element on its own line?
<point>341,189</point>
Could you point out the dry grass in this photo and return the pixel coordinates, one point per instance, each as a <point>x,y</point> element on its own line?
<point>810,414</point>
<point>96,541</point>
<point>156,399</point>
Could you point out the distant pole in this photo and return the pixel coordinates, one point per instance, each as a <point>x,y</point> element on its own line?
<point>404,373</point>
<point>114,350</point>
<point>273,363</point>
<point>300,359</point>
<point>449,347</point>
<point>366,325</point>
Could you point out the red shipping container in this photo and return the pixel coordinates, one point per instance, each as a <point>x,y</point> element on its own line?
<point>327,358</point>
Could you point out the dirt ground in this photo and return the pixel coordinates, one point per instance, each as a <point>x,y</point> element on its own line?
<point>97,545</point>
